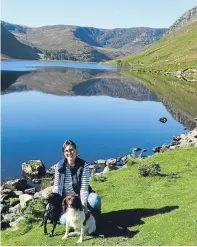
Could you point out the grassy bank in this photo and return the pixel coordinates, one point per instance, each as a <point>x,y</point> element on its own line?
<point>158,210</point>
<point>174,51</point>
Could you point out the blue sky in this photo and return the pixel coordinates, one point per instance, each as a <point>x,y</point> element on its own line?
<point>95,13</point>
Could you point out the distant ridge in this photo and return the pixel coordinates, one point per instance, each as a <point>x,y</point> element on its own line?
<point>63,42</point>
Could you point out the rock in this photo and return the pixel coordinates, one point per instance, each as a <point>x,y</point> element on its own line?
<point>172,147</point>
<point>110,162</point>
<point>163,120</point>
<point>10,217</point>
<point>100,162</point>
<point>15,223</point>
<point>4,208</point>
<point>14,201</point>
<point>33,169</point>
<point>106,169</point>
<point>30,191</point>
<point>24,199</point>
<point>18,192</point>
<point>157,149</point>
<point>51,171</point>
<point>4,224</point>
<point>36,181</point>
<point>18,184</point>
<point>44,193</point>
<point>15,209</point>
<point>137,149</point>
<point>176,138</point>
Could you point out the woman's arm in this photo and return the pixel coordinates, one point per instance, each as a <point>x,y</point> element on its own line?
<point>56,185</point>
<point>85,185</point>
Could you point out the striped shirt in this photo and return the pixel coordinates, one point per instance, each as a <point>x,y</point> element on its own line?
<point>63,183</point>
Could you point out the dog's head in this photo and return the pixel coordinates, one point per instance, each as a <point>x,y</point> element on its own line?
<point>72,202</point>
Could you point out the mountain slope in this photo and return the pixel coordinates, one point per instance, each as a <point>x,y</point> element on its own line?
<point>177,49</point>
<point>84,43</point>
<point>11,47</point>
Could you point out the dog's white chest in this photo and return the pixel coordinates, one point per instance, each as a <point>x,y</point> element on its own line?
<point>75,218</point>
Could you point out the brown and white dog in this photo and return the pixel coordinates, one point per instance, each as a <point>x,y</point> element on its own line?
<point>76,218</point>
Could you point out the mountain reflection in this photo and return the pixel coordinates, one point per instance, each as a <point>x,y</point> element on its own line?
<point>68,81</point>
<point>181,103</point>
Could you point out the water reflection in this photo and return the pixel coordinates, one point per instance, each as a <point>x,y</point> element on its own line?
<point>70,81</point>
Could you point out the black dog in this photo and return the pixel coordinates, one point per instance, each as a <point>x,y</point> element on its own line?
<point>52,212</point>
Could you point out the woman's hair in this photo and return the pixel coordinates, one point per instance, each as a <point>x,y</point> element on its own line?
<point>68,142</point>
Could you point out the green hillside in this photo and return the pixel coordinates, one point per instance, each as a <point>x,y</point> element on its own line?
<point>136,210</point>
<point>176,50</point>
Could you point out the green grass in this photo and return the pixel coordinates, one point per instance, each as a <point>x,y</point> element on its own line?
<point>159,210</point>
<point>174,51</point>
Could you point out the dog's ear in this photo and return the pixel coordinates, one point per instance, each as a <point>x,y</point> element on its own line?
<point>64,203</point>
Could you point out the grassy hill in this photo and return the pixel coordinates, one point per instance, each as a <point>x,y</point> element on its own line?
<point>176,50</point>
<point>85,43</point>
<point>136,210</point>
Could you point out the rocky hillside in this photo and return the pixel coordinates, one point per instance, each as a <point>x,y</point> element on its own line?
<point>175,51</point>
<point>63,42</point>
<point>189,16</point>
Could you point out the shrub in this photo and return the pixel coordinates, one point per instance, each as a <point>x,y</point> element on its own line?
<point>149,170</point>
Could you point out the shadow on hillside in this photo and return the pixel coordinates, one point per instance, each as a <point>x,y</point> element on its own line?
<point>116,223</point>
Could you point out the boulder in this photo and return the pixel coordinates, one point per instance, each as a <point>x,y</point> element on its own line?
<point>44,194</point>
<point>18,184</point>
<point>24,199</point>
<point>33,169</point>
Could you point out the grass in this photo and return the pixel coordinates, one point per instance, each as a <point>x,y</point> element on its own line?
<point>174,51</point>
<point>137,210</point>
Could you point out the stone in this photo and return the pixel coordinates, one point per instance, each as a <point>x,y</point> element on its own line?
<point>163,120</point>
<point>36,181</point>
<point>110,162</point>
<point>106,169</point>
<point>15,223</point>
<point>30,191</point>
<point>100,162</point>
<point>44,194</point>
<point>18,184</point>
<point>18,192</point>
<point>15,209</point>
<point>157,149</point>
<point>24,199</point>
<point>4,224</point>
<point>33,169</point>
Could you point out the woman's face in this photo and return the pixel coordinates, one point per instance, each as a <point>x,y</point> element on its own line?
<point>70,153</point>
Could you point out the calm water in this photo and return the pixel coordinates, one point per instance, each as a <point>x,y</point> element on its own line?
<point>106,114</point>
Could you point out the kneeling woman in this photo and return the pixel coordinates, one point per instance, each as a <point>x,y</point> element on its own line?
<point>72,176</point>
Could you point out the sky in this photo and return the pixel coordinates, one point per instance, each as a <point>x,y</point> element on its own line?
<point>95,13</point>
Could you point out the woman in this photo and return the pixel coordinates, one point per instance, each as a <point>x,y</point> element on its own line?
<point>72,177</point>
